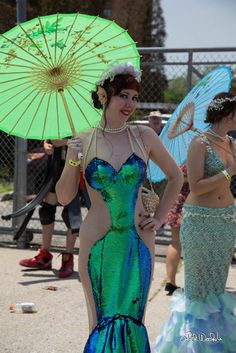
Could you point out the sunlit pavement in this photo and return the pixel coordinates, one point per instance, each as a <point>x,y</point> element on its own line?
<point>60,324</point>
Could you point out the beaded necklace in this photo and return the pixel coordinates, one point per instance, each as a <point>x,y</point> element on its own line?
<point>222,138</point>
<point>113,130</point>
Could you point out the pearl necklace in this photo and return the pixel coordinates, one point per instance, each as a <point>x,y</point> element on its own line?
<point>113,130</point>
<point>222,138</point>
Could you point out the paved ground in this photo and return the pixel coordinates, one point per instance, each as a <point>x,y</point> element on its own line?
<point>60,324</point>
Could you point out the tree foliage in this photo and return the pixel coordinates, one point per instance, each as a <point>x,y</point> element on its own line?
<point>154,78</point>
<point>176,90</point>
<point>133,15</point>
<point>7,15</point>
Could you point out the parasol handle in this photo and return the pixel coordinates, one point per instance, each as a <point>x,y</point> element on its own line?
<point>72,126</point>
<point>61,91</point>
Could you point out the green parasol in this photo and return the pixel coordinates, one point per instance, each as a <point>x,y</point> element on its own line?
<point>48,68</point>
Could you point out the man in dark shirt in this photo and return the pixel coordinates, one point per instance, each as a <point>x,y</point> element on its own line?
<point>71,216</point>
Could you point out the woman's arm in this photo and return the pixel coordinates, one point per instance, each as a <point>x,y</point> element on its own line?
<point>59,143</point>
<point>68,184</point>
<point>164,160</point>
<point>195,163</point>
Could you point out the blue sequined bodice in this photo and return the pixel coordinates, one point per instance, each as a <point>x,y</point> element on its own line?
<point>119,189</point>
<point>101,175</point>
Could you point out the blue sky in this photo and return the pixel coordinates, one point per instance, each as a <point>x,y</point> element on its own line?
<point>200,23</point>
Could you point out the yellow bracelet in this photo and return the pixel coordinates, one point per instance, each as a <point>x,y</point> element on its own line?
<point>226,174</point>
<point>74,163</point>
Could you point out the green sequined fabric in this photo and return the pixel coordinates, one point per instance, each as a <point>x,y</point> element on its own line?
<point>207,238</point>
<point>203,316</point>
<point>119,264</point>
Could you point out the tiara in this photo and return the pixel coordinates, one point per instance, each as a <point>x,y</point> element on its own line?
<point>116,68</point>
<point>217,104</point>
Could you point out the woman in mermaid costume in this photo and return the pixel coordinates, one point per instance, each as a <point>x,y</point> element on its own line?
<point>117,236</point>
<point>203,318</point>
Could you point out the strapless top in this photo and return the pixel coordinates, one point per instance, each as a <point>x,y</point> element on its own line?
<point>101,175</point>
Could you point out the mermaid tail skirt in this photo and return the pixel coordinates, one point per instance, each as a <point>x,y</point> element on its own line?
<point>119,264</point>
<point>203,318</point>
<point>120,288</point>
<point>118,334</point>
<point>206,326</point>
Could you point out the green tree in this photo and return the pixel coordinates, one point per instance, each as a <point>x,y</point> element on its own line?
<point>233,86</point>
<point>154,79</point>
<point>45,7</point>
<point>176,90</point>
<point>133,16</point>
<point>7,15</point>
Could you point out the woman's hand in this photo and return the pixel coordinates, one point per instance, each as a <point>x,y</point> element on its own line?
<point>48,148</point>
<point>149,222</point>
<point>75,147</point>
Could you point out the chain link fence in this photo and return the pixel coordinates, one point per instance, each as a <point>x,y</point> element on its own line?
<point>168,74</point>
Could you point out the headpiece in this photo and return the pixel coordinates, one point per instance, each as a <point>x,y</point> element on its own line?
<point>113,69</point>
<point>116,68</point>
<point>217,103</point>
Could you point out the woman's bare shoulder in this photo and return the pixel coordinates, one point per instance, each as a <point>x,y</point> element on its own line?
<point>198,143</point>
<point>198,140</point>
<point>143,130</point>
<point>85,134</point>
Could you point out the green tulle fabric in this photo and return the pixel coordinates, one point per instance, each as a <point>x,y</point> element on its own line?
<point>203,317</point>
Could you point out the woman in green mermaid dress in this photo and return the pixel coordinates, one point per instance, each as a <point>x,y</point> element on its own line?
<point>117,236</point>
<point>203,318</point>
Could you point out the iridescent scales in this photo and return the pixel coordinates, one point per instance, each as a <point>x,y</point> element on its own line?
<point>120,263</point>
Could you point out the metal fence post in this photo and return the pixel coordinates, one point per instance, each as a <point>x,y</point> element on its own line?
<point>188,64</point>
<point>21,10</point>
<point>20,169</point>
<point>190,71</point>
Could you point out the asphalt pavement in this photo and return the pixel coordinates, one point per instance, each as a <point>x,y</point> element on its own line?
<point>60,324</point>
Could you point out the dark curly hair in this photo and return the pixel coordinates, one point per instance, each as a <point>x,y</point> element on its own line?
<point>113,88</point>
<point>221,106</point>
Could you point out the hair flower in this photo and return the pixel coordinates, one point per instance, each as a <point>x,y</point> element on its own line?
<point>102,95</point>
<point>217,103</point>
<point>116,68</point>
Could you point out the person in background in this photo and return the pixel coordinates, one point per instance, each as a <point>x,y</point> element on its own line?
<point>155,121</point>
<point>71,216</point>
<point>203,317</point>
<point>233,180</point>
<point>173,219</point>
<point>233,190</point>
